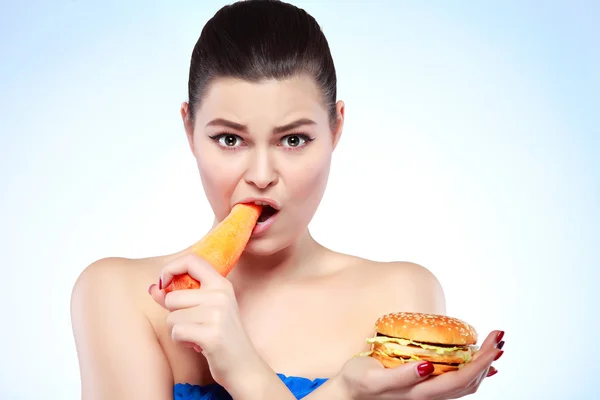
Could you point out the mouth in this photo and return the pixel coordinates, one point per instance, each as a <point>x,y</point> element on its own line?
<point>270,209</point>
<point>267,212</point>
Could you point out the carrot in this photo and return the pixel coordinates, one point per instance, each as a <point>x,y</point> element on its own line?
<point>223,245</point>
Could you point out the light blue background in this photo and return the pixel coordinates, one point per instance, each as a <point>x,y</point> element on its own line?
<point>471,147</point>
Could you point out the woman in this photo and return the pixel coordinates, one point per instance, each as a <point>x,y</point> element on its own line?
<point>262,122</point>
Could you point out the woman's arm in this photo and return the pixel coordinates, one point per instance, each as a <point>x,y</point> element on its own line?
<point>119,355</point>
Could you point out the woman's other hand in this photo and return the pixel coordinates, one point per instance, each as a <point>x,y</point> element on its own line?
<point>365,378</point>
<point>207,319</point>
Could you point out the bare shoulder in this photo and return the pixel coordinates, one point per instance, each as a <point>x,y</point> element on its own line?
<point>118,276</point>
<point>402,286</point>
<point>113,334</point>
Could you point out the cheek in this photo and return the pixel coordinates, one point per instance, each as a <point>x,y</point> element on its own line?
<point>307,180</point>
<point>219,180</point>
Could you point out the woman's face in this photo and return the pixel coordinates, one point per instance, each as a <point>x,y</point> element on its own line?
<point>270,140</point>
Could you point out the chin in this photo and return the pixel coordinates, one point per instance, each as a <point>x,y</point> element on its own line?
<point>266,245</point>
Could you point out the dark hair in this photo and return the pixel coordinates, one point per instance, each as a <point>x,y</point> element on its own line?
<point>261,39</point>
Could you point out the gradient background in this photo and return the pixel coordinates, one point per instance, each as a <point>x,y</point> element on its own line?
<point>471,147</point>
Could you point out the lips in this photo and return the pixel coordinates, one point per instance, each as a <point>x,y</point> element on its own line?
<point>269,208</point>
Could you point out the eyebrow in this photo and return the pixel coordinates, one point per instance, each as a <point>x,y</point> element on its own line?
<point>277,130</point>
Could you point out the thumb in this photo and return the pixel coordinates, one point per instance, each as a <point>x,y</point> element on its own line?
<point>158,295</point>
<point>405,375</point>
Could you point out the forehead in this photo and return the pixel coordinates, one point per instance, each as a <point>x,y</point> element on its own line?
<point>267,100</point>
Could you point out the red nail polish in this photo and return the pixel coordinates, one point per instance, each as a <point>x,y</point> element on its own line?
<point>499,336</point>
<point>425,369</point>
<point>498,356</point>
<point>500,345</point>
<point>493,371</point>
<point>160,284</point>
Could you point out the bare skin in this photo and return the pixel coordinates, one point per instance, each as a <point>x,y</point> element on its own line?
<point>288,288</point>
<point>340,303</point>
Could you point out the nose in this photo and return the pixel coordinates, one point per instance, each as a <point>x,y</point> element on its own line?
<point>261,172</point>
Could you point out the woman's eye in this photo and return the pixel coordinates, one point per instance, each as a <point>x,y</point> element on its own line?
<point>293,141</point>
<point>229,140</point>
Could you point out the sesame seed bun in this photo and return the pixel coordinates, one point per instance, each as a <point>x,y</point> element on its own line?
<point>446,342</point>
<point>427,328</point>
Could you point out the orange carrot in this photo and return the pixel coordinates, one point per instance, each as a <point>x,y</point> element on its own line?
<point>223,245</point>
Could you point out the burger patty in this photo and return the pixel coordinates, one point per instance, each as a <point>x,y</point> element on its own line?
<point>384,355</point>
<point>406,348</point>
<point>452,357</point>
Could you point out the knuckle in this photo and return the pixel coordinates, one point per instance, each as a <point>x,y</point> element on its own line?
<point>361,385</point>
<point>368,376</point>
<point>364,382</point>
<point>188,260</point>
<point>216,315</point>
<point>177,331</point>
<point>191,257</point>
<point>195,260</point>
<point>472,388</point>
<point>221,298</point>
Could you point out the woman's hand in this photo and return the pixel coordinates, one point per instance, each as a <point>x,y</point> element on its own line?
<point>365,378</point>
<point>207,319</point>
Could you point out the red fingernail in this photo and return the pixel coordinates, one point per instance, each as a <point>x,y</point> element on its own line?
<point>500,345</point>
<point>499,336</point>
<point>498,356</point>
<point>493,371</point>
<point>425,369</point>
<point>160,284</point>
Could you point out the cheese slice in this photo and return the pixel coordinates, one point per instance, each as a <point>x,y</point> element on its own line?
<point>406,342</point>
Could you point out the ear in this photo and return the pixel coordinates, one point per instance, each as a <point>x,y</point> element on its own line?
<point>340,111</point>
<point>188,124</point>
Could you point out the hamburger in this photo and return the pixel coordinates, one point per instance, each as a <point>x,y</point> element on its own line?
<point>448,343</point>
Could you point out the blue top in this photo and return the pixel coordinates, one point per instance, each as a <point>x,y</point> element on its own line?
<point>298,385</point>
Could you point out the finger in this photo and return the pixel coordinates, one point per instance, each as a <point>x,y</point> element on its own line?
<point>491,371</point>
<point>195,266</point>
<point>402,376</point>
<point>475,384</point>
<point>192,298</point>
<point>157,295</point>
<point>193,316</point>
<point>482,363</point>
<point>199,335</point>
<point>186,335</point>
<point>183,299</point>
<point>460,381</point>
<point>491,341</point>
<point>470,384</point>
<point>192,345</point>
